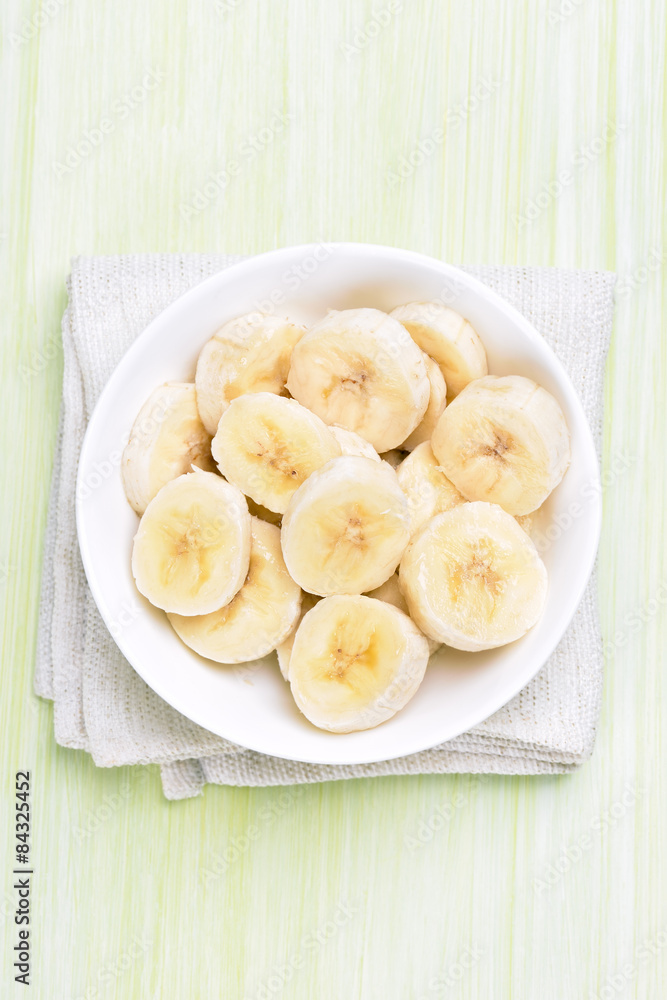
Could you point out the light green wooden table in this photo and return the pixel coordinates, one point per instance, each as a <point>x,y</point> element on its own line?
<point>547,887</point>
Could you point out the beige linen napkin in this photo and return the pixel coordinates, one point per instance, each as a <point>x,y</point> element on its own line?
<point>101,705</point>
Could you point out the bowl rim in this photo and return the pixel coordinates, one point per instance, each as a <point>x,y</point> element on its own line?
<point>256,263</point>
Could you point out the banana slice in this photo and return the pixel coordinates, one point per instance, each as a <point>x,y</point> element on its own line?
<point>192,549</point>
<point>258,618</point>
<point>166,440</point>
<point>436,404</point>
<point>346,528</point>
<point>355,662</point>
<point>284,650</point>
<point>448,338</point>
<point>503,440</point>
<point>353,444</point>
<point>360,368</point>
<point>268,446</point>
<point>473,578</point>
<point>427,488</point>
<point>391,593</point>
<point>247,354</point>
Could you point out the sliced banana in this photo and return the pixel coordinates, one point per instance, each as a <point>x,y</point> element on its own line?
<point>268,446</point>
<point>258,617</point>
<point>284,650</point>
<point>427,488</point>
<point>473,578</point>
<point>355,662</point>
<point>353,444</point>
<point>247,354</point>
<point>166,440</point>
<point>504,440</point>
<point>192,549</point>
<point>448,338</point>
<point>392,594</point>
<point>346,528</point>
<point>359,368</point>
<point>436,404</point>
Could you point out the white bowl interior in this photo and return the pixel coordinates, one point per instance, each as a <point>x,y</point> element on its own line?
<point>251,704</point>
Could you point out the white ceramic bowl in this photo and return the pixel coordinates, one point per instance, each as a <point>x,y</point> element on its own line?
<point>251,705</point>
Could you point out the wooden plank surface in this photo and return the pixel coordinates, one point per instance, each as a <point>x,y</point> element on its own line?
<point>120,124</point>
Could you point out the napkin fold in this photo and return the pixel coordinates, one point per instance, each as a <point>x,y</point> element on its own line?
<point>102,706</point>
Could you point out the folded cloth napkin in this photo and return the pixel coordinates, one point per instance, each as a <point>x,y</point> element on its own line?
<point>101,705</point>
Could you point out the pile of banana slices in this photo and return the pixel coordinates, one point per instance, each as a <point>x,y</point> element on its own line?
<point>353,496</point>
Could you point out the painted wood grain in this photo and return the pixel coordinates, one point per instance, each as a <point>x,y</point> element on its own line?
<point>494,131</point>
